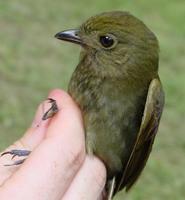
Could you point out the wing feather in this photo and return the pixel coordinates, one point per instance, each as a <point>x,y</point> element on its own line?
<point>145,138</point>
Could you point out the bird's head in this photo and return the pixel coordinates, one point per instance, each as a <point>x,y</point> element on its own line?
<point>117,41</point>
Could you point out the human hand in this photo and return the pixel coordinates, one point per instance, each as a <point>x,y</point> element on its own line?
<point>58,167</point>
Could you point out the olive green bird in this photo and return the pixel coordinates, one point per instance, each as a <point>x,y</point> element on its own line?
<point>117,87</point>
<point>118,90</point>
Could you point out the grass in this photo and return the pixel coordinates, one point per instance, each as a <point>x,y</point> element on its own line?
<point>32,62</point>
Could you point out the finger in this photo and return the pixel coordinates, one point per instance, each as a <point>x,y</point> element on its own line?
<point>33,136</point>
<point>35,133</point>
<point>51,167</point>
<point>89,182</point>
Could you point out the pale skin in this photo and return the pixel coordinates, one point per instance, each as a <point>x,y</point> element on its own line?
<point>58,167</point>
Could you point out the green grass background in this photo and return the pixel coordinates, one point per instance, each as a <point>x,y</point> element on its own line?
<point>32,63</point>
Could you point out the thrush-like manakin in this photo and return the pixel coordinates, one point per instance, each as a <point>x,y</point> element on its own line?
<point>117,88</point>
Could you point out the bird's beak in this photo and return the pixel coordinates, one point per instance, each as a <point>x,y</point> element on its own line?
<point>70,36</point>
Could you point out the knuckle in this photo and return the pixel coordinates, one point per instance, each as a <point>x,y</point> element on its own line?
<point>99,172</point>
<point>76,155</point>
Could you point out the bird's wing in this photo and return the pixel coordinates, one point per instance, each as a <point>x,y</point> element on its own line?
<point>145,138</point>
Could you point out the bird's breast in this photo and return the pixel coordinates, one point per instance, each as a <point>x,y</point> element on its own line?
<point>110,114</point>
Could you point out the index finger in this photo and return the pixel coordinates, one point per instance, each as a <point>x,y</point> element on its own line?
<point>51,167</point>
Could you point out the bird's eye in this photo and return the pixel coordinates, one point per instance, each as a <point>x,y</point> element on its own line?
<point>106,41</point>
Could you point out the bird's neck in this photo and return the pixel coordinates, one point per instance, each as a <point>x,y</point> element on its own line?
<point>128,72</point>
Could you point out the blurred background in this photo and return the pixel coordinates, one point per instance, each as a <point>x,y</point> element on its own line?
<point>32,63</point>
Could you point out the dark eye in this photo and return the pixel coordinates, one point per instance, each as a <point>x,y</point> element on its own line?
<point>106,41</point>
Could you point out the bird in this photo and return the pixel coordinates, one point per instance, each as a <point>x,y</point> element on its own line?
<point>117,87</point>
